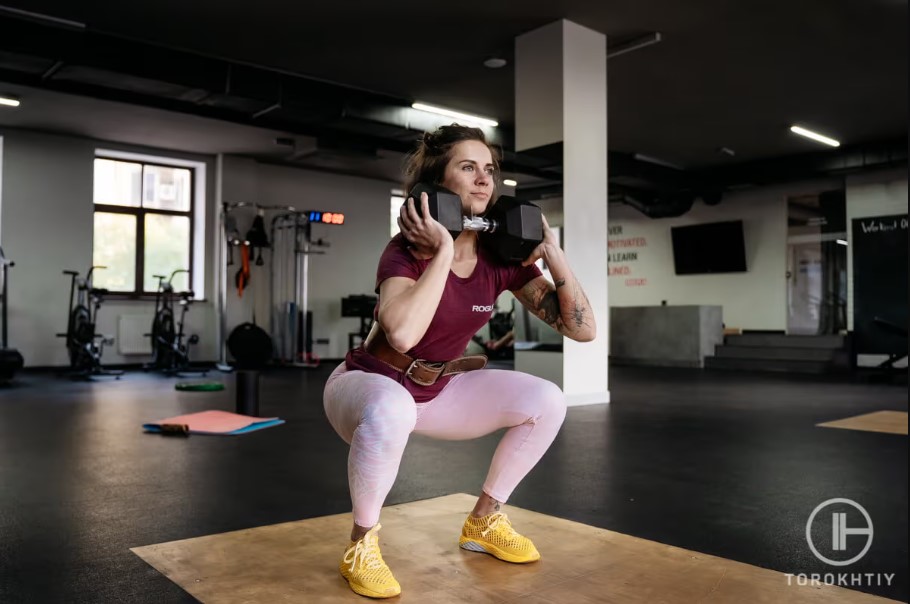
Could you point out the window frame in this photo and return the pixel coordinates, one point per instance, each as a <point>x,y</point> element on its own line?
<point>140,213</point>
<point>398,197</point>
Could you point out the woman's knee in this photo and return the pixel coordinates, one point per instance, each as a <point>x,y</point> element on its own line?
<point>353,399</point>
<point>549,403</point>
<point>389,417</point>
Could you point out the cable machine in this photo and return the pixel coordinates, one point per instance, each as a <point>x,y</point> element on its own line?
<point>291,244</point>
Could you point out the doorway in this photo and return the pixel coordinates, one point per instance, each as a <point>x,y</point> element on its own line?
<point>817,264</point>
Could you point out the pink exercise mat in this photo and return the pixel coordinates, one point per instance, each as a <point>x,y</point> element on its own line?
<point>212,422</point>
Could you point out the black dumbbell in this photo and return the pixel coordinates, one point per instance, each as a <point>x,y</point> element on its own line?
<point>511,229</point>
<point>445,206</point>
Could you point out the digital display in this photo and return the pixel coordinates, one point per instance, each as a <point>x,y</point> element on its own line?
<point>326,217</point>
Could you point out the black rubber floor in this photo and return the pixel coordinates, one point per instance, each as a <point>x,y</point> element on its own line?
<point>722,463</point>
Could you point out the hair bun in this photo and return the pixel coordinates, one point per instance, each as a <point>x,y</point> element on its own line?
<point>430,139</point>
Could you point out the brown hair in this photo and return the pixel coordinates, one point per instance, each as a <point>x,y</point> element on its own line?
<point>434,150</point>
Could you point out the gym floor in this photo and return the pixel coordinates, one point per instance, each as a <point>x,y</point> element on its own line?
<point>728,464</point>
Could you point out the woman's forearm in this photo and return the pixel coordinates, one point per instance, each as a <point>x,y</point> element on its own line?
<point>568,308</point>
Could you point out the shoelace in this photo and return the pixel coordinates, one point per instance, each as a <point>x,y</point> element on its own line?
<point>499,519</point>
<point>367,550</point>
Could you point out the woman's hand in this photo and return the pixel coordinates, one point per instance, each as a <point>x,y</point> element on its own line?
<point>549,245</point>
<point>422,230</point>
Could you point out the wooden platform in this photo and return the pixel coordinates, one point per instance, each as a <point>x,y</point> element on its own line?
<point>298,562</point>
<point>890,422</point>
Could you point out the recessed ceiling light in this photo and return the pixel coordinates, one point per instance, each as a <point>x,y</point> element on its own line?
<point>510,183</point>
<point>484,121</point>
<point>9,101</point>
<point>495,63</point>
<point>814,136</point>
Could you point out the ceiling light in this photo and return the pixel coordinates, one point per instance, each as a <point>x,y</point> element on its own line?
<point>842,241</point>
<point>814,136</point>
<point>9,101</point>
<point>16,13</point>
<point>510,183</point>
<point>494,63</point>
<point>634,44</point>
<point>656,161</point>
<point>457,115</point>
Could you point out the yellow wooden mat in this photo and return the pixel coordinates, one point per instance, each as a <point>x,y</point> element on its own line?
<point>890,422</point>
<point>580,564</point>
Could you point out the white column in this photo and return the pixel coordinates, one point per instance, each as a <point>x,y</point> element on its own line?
<point>561,96</point>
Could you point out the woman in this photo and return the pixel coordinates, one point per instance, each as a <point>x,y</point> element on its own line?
<point>434,294</point>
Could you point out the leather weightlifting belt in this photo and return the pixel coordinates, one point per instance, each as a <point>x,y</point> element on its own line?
<point>419,371</point>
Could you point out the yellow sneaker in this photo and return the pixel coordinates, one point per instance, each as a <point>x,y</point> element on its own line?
<point>493,534</point>
<point>366,571</point>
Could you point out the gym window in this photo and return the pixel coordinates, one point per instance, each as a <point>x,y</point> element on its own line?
<point>144,223</point>
<point>395,210</point>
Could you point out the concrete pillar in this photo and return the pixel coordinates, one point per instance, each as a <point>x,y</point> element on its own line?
<point>561,97</point>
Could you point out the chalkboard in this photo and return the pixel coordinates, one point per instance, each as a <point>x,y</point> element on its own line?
<point>879,248</point>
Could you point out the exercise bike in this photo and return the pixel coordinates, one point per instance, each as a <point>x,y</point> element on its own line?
<point>171,355</point>
<point>85,347</point>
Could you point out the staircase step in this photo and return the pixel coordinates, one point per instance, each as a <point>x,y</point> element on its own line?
<point>779,365</point>
<point>783,340</point>
<point>776,353</point>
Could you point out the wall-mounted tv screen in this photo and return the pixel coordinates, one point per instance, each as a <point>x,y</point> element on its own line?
<point>717,247</point>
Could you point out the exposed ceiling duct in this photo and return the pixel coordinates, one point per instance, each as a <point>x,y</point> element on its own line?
<point>355,123</point>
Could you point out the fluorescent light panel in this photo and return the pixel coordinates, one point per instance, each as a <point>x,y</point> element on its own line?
<point>455,114</point>
<point>510,183</point>
<point>639,42</point>
<point>842,242</point>
<point>8,101</point>
<point>814,136</point>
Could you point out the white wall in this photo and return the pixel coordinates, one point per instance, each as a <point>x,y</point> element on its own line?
<point>47,227</point>
<point>48,222</point>
<point>755,299</point>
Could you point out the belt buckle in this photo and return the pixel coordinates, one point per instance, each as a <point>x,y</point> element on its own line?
<point>409,372</point>
<point>410,368</point>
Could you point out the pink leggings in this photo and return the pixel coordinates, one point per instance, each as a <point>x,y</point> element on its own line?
<point>376,415</point>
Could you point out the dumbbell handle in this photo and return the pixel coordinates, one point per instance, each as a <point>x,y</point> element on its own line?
<point>476,223</point>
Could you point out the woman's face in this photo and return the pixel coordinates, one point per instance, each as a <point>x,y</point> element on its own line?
<point>469,173</point>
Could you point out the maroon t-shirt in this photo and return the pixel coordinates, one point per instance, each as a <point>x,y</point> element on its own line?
<point>466,305</point>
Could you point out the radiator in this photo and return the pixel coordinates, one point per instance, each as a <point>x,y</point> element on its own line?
<point>131,338</point>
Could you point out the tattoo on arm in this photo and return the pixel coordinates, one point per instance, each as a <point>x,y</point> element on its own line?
<point>548,309</point>
<point>578,312</point>
<point>543,300</point>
